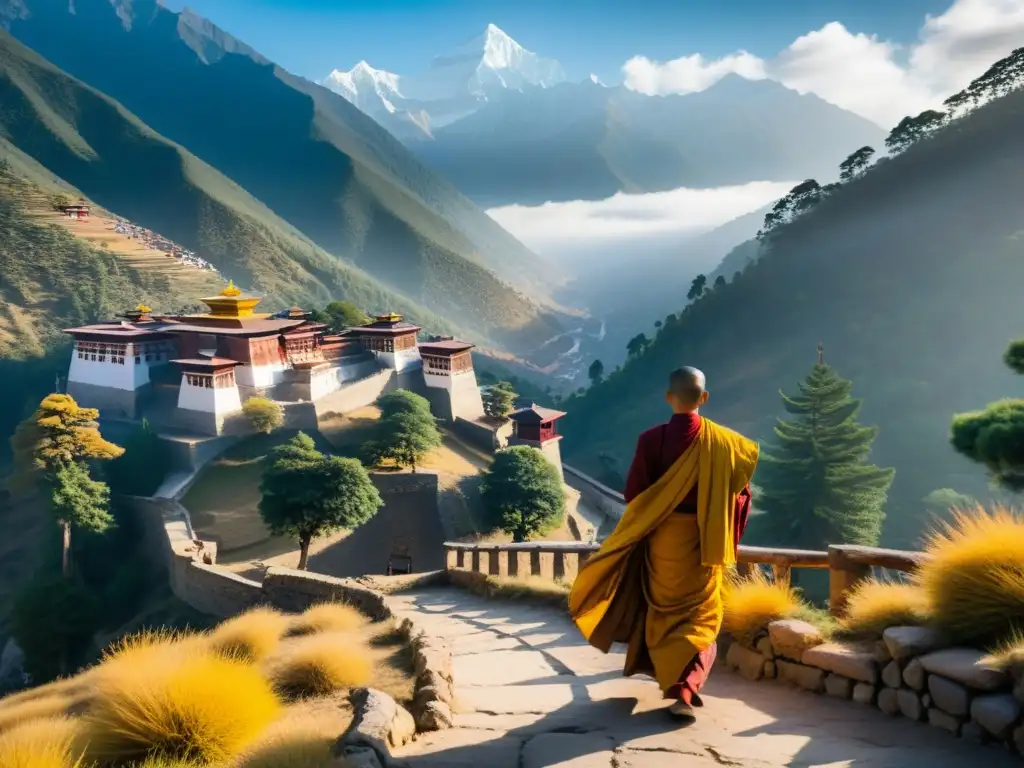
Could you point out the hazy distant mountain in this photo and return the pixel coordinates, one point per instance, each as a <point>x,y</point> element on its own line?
<point>507,127</point>
<point>586,141</point>
<point>455,85</point>
<point>909,275</point>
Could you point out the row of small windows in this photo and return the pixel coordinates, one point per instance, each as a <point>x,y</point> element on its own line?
<point>98,352</point>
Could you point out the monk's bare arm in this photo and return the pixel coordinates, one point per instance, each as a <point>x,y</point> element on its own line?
<point>639,478</point>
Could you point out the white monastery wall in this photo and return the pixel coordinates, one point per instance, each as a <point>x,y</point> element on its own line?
<point>222,400</point>
<point>261,376</point>
<point>402,360</point>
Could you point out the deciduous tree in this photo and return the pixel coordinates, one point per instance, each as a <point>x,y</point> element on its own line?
<point>51,450</point>
<point>499,400</point>
<point>305,494</point>
<point>522,493</point>
<point>339,315</point>
<point>854,165</point>
<point>637,345</point>
<point>596,371</point>
<point>264,415</point>
<point>697,287</point>
<point>994,437</point>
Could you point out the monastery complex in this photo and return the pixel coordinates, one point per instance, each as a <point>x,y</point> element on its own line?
<point>192,373</point>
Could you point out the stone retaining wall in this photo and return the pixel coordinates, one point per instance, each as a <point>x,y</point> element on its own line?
<point>910,673</point>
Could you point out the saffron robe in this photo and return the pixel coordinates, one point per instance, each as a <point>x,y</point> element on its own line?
<point>656,581</point>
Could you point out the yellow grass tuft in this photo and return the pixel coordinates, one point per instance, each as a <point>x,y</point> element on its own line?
<point>1008,656</point>
<point>48,707</point>
<point>326,617</point>
<point>874,605</point>
<point>191,707</point>
<point>252,636</point>
<point>303,748</point>
<point>46,743</point>
<point>320,664</point>
<point>752,602</point>
<point>974,576</point>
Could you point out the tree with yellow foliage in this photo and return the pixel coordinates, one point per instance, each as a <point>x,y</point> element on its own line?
<point>52,449</point>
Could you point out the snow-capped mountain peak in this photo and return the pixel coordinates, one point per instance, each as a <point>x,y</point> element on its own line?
<point>365,86</point>
<point>454,86</point>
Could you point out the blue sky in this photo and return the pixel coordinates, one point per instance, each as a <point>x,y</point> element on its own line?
<point>311,37</point>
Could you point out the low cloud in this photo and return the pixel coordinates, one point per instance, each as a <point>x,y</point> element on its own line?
<point>555,227</point>
<point>877,79</point>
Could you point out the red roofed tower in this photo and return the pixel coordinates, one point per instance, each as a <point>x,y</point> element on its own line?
<point>535,426</point>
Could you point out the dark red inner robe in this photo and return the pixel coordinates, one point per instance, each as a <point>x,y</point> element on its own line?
<point>657,450</point>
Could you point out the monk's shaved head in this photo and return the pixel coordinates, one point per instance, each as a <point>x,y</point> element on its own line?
<point>687,385</point>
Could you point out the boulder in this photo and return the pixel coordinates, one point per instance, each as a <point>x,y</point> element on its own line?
<point>965,666</point>
<point>996,713</point>
<point>847,660</point>
<point>791,637</point>
<point>906,642</point>
<point>764,647</point>
<point>838,686</point>
<point>974,732</point>
<point>887,701</point>
<point>949,696</point>
<point>946,722</point>
<point>915,676</point>
<point>910,705</point>
<point>1018,738</point>
<point>892,675</point>
<point>809,678</point>
<point>748,663</point>
<point>882,655</point>
<point>435,716</point>
<point>864,693</point>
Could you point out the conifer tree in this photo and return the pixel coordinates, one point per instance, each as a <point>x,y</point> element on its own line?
<point>817,487</point>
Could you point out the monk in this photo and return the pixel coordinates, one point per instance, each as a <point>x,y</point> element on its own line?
<point>656,582</point>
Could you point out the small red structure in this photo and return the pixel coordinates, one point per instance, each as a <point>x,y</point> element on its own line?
<point>79,212</point>
<point>535,424</point>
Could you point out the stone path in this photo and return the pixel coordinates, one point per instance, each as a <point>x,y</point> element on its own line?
<point>531,694</point>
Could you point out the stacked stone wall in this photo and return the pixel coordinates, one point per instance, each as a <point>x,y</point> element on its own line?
<point>910,673</point>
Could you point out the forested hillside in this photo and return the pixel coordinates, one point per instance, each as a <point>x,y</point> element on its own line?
<point>309,155</point>
<point>910,274</point>
<point>94,144</point>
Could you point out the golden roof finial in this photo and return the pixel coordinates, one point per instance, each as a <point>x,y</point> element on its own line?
<point>143,309</point>
<point>231,290</point>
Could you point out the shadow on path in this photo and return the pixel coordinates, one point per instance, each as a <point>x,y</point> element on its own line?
<point>531,693</point>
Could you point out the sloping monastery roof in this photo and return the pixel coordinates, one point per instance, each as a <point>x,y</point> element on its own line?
<point>206,362</point>
<point>535,414</point>
<point>445,348</point>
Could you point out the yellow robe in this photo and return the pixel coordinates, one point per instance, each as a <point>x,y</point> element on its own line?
<point>656,581</point>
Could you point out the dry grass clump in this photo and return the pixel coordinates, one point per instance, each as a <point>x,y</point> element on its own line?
<point>47,707</point>
<point>48,743</point>
<point>295,748</point>
<point>252,636</point>
<point>973,578</point>
<point>320,664</point>
<point>873,606</point>
<point>190,707</point>
<point>326,617</point>
<point>1008,656</point>
<point>534,588</point>
<point>752,602</point>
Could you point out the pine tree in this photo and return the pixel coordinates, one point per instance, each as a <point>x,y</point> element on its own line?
<point>816,485</point>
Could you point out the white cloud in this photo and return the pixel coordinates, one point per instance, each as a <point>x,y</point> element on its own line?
<point>553,227</point>
<point>877,79</point>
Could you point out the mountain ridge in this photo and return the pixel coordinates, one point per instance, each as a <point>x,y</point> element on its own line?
<point>909,275</point>
<point>324,167</point>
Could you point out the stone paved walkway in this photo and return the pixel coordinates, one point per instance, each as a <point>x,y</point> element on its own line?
<point>532,694</point>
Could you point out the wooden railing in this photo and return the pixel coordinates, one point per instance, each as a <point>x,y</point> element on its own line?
<point>847,565</point>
